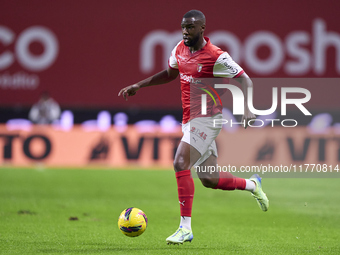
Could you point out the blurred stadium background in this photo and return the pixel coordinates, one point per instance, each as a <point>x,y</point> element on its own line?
<point>83,52</point>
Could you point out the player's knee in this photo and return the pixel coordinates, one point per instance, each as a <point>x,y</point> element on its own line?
<point>209,182</point>
<point>180,164</point>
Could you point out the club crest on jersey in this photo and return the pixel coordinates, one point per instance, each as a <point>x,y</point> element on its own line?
<point>199,67</point>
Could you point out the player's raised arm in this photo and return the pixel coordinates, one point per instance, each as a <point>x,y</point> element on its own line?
<point>246,82</point>
<point>162,77</point>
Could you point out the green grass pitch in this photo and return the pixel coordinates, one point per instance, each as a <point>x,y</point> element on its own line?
<point>35,207</point>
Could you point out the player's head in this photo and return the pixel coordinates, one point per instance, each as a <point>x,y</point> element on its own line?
<point>193,25</point>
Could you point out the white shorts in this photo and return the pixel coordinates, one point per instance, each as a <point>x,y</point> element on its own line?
<point>200,133</point>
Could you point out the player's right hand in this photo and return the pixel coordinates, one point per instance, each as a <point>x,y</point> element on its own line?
<point>129,91</point>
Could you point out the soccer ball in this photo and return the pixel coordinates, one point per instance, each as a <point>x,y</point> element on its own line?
<point>132,222</point>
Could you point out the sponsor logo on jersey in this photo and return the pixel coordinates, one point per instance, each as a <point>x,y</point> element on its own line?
<point>232,69</point>
<point>187,78</point>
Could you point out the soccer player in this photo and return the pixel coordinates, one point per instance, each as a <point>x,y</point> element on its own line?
<point>195,58</point>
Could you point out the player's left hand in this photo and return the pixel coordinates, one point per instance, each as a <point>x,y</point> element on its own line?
<point>248,117</point>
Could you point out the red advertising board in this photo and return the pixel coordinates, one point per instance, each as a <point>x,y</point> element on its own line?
<point>83,52</point>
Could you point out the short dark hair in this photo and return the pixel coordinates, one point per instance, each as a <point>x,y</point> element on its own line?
<point>198,15</point>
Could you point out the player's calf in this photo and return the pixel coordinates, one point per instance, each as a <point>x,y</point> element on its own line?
<point>209,182</point>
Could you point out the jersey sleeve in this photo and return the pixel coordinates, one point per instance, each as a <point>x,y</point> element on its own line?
<point>226,67</point>
<point>172,60</point>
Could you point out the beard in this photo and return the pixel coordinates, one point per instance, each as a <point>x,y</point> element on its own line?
<point>192,42</point>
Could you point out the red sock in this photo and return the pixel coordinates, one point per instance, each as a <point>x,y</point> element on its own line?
<point>227,181</point>
<point>186,189</point>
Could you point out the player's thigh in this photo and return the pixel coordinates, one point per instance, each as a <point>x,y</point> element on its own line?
<point>186,156</point>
